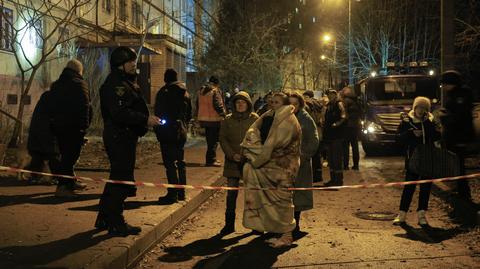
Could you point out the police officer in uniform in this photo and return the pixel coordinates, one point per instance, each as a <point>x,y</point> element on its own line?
<point>126,118</point>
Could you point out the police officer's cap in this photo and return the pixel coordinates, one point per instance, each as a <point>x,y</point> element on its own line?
<point>451,77</point>
<point>121,55</point>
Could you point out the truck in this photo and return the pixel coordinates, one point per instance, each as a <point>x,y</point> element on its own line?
<point>383,100</point>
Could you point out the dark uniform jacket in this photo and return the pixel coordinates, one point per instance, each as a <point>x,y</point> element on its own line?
<point>353,110</point>
<point>123,108</point>
<point>40,136</point>
<point>174,108</point>
<point>334,115</point>
<point>70,102</point>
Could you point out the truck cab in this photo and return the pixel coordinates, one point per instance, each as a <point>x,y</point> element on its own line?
<point>383,99</point>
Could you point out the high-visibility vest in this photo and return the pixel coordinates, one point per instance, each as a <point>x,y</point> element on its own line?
<point>206,110</point>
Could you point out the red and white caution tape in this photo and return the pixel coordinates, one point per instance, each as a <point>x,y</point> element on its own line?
<point>202,187</point>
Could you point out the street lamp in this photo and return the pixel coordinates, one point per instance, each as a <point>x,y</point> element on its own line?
<point>326,39</point>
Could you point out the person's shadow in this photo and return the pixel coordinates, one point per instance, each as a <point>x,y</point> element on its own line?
<point>42,254</point>
<point>255,254</point>
<point>428,234</point>
<point>43,198</point>
<point>203,247</point>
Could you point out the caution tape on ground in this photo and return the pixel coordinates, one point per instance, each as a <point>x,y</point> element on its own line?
<point>202,187</point>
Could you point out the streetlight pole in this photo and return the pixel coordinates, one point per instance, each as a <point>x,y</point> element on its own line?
<point>350,60</point>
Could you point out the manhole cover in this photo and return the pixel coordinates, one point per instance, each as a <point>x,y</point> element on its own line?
<point>375,215</point>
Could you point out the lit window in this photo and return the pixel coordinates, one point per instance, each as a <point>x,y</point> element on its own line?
<point>314,20</point>
<point>6,30</point>
<point>107,5</point>
<point>299,26</point>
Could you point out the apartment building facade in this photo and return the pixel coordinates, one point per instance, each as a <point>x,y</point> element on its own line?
<point>163,28</point>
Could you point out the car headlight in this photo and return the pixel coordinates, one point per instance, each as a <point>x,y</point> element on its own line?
<point>373,127</point>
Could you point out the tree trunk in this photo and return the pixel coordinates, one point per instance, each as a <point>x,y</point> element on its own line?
<point>17,135</point>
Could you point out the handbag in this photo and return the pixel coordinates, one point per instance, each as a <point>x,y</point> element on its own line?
<point>429,161</point>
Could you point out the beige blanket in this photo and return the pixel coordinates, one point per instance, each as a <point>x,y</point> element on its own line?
<point>273,165</point>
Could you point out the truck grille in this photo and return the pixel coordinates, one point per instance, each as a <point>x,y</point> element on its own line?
<point>389,122</point>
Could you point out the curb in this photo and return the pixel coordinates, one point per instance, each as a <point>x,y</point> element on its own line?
<point>465,210</point>
<point>129,256</point>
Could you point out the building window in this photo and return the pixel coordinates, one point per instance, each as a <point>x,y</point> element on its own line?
<point>136,15</point>
<point>12,99</point>
<point>6,29</point>
<point>122,10</point>
<point>107,5</point>
<point>65,46</point>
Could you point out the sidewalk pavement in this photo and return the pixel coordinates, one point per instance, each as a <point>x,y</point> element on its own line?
<point>38,230</point>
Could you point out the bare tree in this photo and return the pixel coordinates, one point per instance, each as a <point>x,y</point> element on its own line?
<point>389,30</point>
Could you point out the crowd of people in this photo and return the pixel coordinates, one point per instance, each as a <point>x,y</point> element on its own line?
<point>276,142</point>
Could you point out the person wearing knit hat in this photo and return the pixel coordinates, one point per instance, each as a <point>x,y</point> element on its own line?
<point>416,128</point>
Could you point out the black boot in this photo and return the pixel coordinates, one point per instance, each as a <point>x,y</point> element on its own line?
<point>123,229</point>
<point>170,198</point>
<point>229,224</point>
<point>101,222</point>
<point>181,195</point>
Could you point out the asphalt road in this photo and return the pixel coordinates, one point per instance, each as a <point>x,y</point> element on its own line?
<point>334,236</point>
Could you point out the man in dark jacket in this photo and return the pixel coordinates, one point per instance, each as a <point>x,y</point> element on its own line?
<point>174,108</point>
<point>333,135</point>
<point>125,118</point>
<point>457,121</point>
<point>210,112</point>
<point>71,115</point>
<point>41,143</point>
<point>352,128</point>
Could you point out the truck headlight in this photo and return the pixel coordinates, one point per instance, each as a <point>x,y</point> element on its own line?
<point>373,127</point>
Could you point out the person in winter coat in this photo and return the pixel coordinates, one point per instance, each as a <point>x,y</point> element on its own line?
<point>316,110</point>
<point>210,112</point>
<point>174,109</point>
<point>41,143</point>
<point>457,122</point>
<point>352,128</point>
<point>272,148</point>
<point>418,127</point>
<point>71,115</point>
<point>303,200</point>
<point>333,135</point>
<point>232,132</point>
